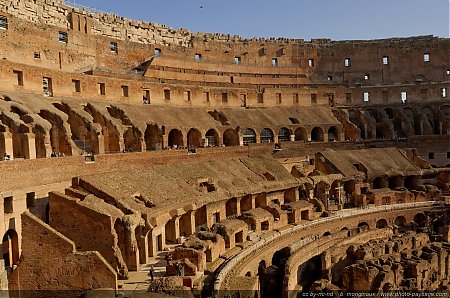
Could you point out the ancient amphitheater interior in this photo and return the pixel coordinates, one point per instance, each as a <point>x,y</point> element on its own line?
<point>141,160</point>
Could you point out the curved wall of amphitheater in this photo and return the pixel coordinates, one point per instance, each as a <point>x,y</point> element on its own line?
<point>148,136</point>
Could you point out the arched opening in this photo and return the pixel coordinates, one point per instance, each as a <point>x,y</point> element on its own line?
<point>420,220</point>
<point>284,135</point>
<point>120,231</point>
<point>194,138</point>
<point>230,137</point>
<point>212,137</point>
<point>395,182</point>
<point>153,140</point>
<point>333,134</point>
<point>170,232</point>
<point>412,182</point>
<point>309,272</point>
<point>317,134</point>
<point>10,248</point>
<point>415,124</point>
<point>301,134</point>
<point>231,207</point>
<point>381,224</point>
<point>132,140</point>
<point>379,182</point>
<point>266,136</point>
<point>363,227</point>
<point>328,233</point>
<point>355,118</point>
<point>175,138</point>
<point>400,221</point>
<point>249,136</point>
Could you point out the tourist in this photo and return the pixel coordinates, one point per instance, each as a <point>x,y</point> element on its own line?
<point>152,274</point>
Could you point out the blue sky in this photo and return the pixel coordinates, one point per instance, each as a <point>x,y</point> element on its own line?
<point>335,19</point>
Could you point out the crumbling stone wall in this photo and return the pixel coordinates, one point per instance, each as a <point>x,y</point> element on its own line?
<point>51,264</point>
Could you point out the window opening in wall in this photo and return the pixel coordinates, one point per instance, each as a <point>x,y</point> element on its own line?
<point>430,155</point>
<point>166,94</point>
<point>37,55</point>
<point>448,71</point>
<point>146,96</point>
<point>448,155</point>
<point>224,97</point>
<point>19,77</point>
<point>330,78</point>
<point>443,92</point>
<point>366,96</point>
<point>101,89</point>
<point>76,85</point>
<point>404,96</point>
<point>260,97</point>
<point>187,95</point>
<point>312,162</point>
<point>216,217</point>
<point>311,62</point>
<point>243,98</point>
<point>426,57</point>
<point>424,93</point>
<point>278,97</point>
<point>313,98</point>
<point>30,199</point>
<point>232,80</point>
<point>237,60</point>
<point>274,62</point>
<point>206,96</point>
<point>348,97</point>
<point>198,57</point>
<point>113,47</point>
<point>124,91</point>
<point>385,60</point>
<point>8,205</point>
<point>47,86</point>
<point>62,37</point>
<point>295,98</point>
<point>366,77</point>
<point>3,23</point>
<point>157,52</point>
<point>347,62</point>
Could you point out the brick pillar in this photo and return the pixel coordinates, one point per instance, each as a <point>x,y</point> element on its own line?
<point>6,144</point>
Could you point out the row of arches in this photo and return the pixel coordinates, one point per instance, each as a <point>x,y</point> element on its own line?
<point>233,137</point>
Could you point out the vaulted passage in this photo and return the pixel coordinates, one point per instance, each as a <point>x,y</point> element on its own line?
<point>153,139</point>
<point>194,138</point>
<point>230,137</point>
<point>175,138</point>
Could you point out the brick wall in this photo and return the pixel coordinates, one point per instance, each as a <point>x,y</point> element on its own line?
<point>50,262</point>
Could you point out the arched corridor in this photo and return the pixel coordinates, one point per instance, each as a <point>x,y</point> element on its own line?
<point>175,138</point>
<point>317,134</point>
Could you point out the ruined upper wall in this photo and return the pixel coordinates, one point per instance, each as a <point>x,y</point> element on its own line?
<point>57,13</point>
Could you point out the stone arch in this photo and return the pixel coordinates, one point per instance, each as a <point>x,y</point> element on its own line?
<point>411,116</point>
<point>266,136</point>
<point>363,226</point>
<point>327,233</point>
<point>194,138</point>
<point>111,135</point>
<point>231,207</point>
<point>85,134</point>
<point>429,115</point>
<point>175,138</point>
<point>317,134</point>
<point>333,134</point>
<point>230,138</point>
<point>10,248</point>
<point>132,139</point>
<point>153,138</point>
<point>212,136</point>
<point>358,120</point>
<point>284,135</point>
<point>400,221</point>
<point>382,223</point>
<point>59,135</point>
<point>379,182</point>
<point>301,134</point>
<point>249,136</point>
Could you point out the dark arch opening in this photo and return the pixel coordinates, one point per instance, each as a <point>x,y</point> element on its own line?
<point>381,223</point>
<point>249,136</point>
<point>284,135</point>
<point>317,134</point>
<point>175,138</point>
<point>153,139</point>
<point>301,134</point>
<point>266,136</point>
<point>194,138</point>
<point>333,134</point>
<point>230,138</point>
<point>212,136</point>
